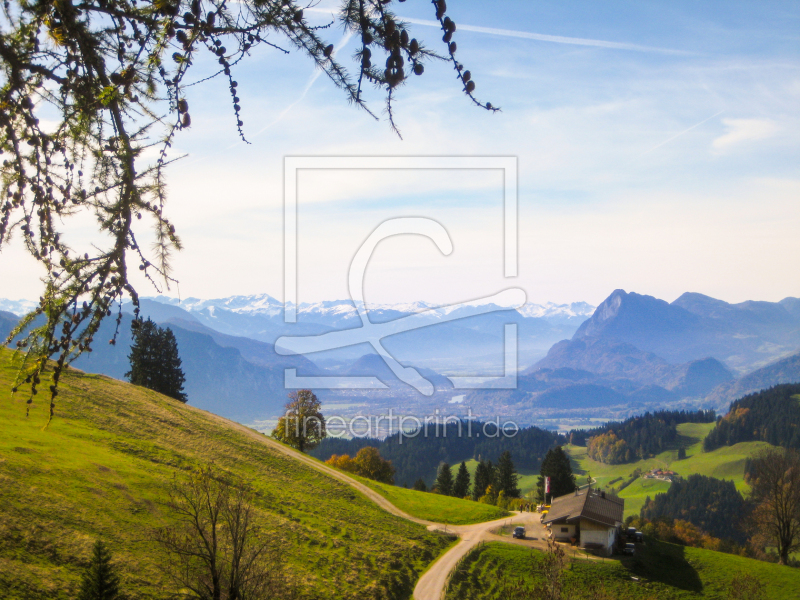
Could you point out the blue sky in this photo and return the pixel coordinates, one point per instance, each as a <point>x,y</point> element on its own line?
<point>658,151</point>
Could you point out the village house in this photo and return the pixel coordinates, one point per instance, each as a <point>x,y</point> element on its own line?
<point>661,474</point>
<point>587,516</point>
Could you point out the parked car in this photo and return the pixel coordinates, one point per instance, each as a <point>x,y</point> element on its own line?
<point>630,533</point>
<point>519,532</point>
<point>639,537</point>
<point>630,548</point>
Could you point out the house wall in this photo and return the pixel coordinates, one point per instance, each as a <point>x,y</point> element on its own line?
<point>594,533</point>
<point>559,532</point>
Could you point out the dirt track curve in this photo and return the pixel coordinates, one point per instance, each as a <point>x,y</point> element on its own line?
<point>431,586</point>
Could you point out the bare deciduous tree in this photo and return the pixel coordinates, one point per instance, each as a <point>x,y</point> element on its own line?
<point>217,550</point>
<point>775,479</point>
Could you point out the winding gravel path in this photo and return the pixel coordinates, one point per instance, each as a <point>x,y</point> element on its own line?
<point>431,586</point>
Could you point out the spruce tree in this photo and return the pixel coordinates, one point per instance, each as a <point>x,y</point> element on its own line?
<point>484,477</point>
<point>420,486</point>
<point>155,362</point>
<point>461,485</point>
<point>556,465</point>
<point>507,477</point>
<point>444,480</point>
<point>100,580</point>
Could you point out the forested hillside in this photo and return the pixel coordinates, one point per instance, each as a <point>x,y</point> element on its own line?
<point>771,415</point>
<point>713,505</point>
<point>417,455</point>
<point>636,438</point>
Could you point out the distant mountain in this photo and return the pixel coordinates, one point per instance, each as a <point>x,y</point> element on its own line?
<point>637,350</point>
<point>372,365</point>
<point>786,370</point>
<point>7,323</point>
<point>792,306</point>
<point>17,307</point>
<point>218,377</point>
<point>743,336</point>
<point>440,345</point>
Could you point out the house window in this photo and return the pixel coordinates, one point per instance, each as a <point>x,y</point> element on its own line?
<point>565,530</point>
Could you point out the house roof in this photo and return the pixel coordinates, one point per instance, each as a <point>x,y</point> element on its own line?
<point>586,504</point>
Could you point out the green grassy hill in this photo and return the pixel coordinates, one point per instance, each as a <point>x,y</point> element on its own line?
<point>724,463</point>
<point>436,508</point>
<point>100,471</point>
<point>665,571</point>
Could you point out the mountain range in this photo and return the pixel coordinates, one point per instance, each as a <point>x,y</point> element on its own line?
<point>632,353</point>
<point>639,352</point>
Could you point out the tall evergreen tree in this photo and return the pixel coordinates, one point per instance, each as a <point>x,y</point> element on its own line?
<point>507,477</point>
<point>444,480</point>
<point>420,486</point>
<point>557,467</point>
<point>100,580</point>
<point>461,485</point>
<point>484,477</point>
<point>155,362</point>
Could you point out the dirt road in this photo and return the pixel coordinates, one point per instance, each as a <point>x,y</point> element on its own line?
<point>431,585</point>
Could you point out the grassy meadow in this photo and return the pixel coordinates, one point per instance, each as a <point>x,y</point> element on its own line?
<point>101,468</point>
<point>434,507</point>
<point>665,572</point>
<point>724,463</point>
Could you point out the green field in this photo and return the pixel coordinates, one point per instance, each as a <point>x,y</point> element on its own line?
<point>101,468</point>
<point>434,507</point>
<point>724,463</point>
<point>665,572</point>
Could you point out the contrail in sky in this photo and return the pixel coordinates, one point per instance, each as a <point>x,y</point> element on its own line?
<point>540,37</point>
<point>677,135</point>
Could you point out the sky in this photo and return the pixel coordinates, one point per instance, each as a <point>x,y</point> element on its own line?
<point>657,144</point>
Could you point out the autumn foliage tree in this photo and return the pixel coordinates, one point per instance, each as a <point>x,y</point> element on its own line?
<point>112,76</point>
<point>367,463</point>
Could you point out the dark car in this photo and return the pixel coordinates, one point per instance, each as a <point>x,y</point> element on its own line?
<point>629,548</point>
<point>630,533</point>
<point>639,537</point>
<point>519,532</point>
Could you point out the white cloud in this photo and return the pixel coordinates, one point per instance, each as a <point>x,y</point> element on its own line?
<point>745,130</point>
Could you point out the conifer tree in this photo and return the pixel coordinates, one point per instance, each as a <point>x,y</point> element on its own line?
<point>461,485</point>
<point>507,477</point>
<point>484,477</point>
<point>444,480</point>
<point>155,362</point>
<point>420,486</point>
<point>100,580</point>
<point>557,467</point>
